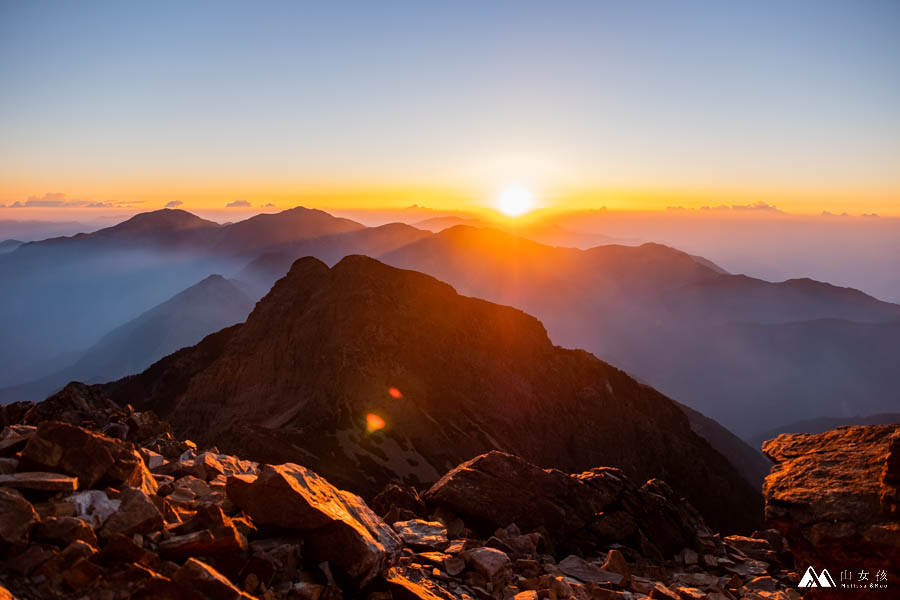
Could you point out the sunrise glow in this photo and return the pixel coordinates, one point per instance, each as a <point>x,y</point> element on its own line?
<point>515,200</point>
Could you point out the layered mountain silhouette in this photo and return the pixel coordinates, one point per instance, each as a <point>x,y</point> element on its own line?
<point>70,291</point>
<point>749,353</point>
<point>181,321</point>
<point>746,352</point>
<point>329,351</point>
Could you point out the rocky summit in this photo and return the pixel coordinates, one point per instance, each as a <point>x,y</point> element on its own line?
<point>145,515</point>
<point>836,498</point>
<point>369,374</point>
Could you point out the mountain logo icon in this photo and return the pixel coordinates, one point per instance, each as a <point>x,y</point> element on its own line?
<point>810,579</point>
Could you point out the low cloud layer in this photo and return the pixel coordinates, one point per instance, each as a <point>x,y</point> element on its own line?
<point>174,204</point>
<point>60,200</point>
<point>238,204</point>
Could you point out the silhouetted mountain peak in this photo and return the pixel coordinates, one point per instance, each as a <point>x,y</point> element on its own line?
<point>166,219</point>
<point>329,351</point>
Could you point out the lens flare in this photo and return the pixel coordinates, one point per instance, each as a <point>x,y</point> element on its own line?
<point>374,422</point>
<point>394,393</point>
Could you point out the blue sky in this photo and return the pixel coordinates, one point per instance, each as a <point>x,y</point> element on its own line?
<point>103,100</point>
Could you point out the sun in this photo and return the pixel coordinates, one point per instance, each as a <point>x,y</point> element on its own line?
<point>515,200</point>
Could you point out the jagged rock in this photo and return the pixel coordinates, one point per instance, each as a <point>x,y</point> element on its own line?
<point>88,455</point>
<point>82,574</point>
<point>338,525</point>
<point>490,562</point>
<point>833,495</point>
<point>498,489</point>
<point>63,531</point>
<point>412,584</point>
<point>208,533</point>
<point>17,517</point>
<point>37,480</point>
<point>397,497</point>
<point>77,403</point>
<point>206,580</point>
<point>13,442</point>
<point>136,514</point>
<point>615,562</point>
<point>580,569</point>
<point>422,534</point>
<point>56,567</point>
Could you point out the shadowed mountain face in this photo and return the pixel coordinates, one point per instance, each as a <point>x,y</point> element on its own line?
<point>181,321</point>
<point>322,350</point>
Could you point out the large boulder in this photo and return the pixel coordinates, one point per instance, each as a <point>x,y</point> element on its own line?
<point>90,456</point>
<point>17,517</point>
<point>337,525</point>
<point>575,512</point>
<point>834,496</point>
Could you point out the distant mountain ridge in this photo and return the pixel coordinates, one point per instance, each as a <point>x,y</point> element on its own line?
<point>181,321</point>
<point>321,350</point>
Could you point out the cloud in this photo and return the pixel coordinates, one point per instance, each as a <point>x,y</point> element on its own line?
<point>238,204</point>
<point>755,207</point>
<point>269,205</point>
<point>174,203</point>
<point>826,213</point>
<point>60,200</point>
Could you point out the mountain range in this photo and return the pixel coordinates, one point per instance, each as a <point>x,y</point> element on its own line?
<point>748,353</point>
<point>365,368</point>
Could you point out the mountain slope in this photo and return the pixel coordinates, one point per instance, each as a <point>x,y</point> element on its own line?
<point>322,350</point>
<point>181,321</point>
<point>701,336</point>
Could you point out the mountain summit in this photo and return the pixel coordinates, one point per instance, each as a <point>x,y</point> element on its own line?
<point>368,374</point>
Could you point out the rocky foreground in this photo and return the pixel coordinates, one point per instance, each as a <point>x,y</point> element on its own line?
<point>102,502</point>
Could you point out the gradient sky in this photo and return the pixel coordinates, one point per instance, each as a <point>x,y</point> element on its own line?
<point>631,104</point>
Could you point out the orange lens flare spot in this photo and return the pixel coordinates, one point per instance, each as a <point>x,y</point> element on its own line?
<point>395,393</point>
<point>374,422</point>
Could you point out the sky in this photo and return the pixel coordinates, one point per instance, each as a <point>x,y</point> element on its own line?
<point>265,105</point>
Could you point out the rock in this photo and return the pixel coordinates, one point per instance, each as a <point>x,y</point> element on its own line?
<point>401,498</point>
<point>338,525</point>
<point>119,548</point>
<point>136,514</point>
<point>13,442</point>
<point>765,583</point>
<point>580,569</point>
<point>833,495</point>
<point>152,459</point>
<point>454,565</point>
<point>17,517</point>
<point>697,580</point>
<point>222,540</point>
<point>64,531</point>
<point>412,584</point>
<point>93,506</point>
<point>615,562</point>
<point>5,594</point>
<point>37,480</point>
<point>32,558</point>
<point>206,580</point>
<point>422,534</point>
<point>526,595</point>
<point>82,574</point>
<point>8,465</point>
<point>490,562</point>
<point>571,510</point>
<point>87,455</point>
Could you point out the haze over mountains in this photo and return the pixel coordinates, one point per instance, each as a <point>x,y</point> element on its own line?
<point>749,353</point>
<point>181,321</point>
<point>324,348</point>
